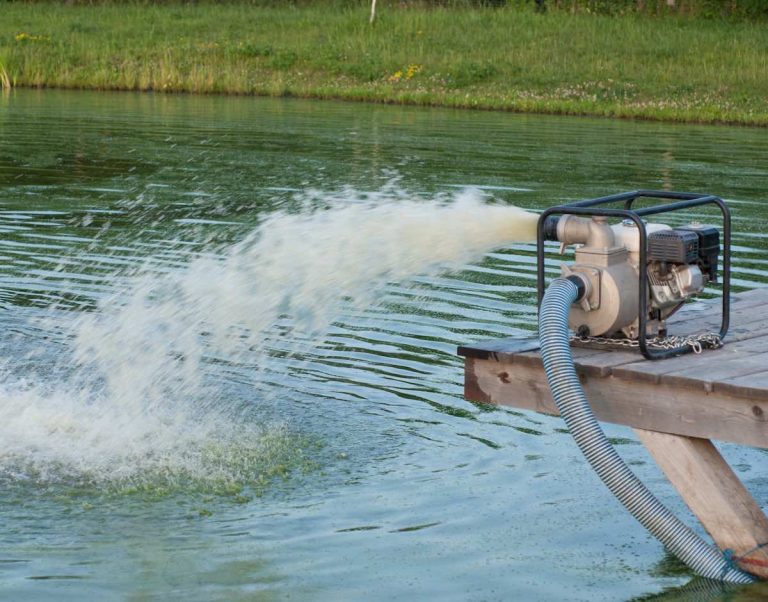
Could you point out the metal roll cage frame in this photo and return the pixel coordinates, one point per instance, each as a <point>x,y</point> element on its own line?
<point>679,200</point>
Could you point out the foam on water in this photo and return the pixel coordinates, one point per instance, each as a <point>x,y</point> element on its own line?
<point>62,435</point>
<point>142,397</point>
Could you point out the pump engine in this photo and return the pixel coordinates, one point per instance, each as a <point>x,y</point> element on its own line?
<point>634,274</point>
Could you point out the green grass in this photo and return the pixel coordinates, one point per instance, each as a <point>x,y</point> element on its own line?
<point>668,68</point>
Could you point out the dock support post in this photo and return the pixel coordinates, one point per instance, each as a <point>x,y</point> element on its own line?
<point>715,495</point>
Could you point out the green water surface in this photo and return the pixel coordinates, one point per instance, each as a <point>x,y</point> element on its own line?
<point>378,480</point>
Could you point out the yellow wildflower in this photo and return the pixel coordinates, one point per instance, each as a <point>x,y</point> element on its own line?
<point>412,70</point>
<point>25,37</point>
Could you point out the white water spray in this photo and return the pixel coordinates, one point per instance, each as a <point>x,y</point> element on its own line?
<point>139,400</point>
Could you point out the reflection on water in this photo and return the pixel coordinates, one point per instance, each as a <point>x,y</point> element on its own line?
<point>705,590</point>
<point>328,452</point>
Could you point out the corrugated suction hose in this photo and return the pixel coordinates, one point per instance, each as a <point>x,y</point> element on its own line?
<point>706,560</point>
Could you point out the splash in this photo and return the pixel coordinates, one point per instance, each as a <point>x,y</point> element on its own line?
<point>61,436</point>
<point>145,395</point>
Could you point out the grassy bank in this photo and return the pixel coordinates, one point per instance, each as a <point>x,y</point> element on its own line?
<point>678,69</point>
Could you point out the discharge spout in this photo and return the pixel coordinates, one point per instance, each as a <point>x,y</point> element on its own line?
<point>593,232</point>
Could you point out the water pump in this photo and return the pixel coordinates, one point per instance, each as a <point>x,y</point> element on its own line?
<point>628,278</point>
<point>633,275</point>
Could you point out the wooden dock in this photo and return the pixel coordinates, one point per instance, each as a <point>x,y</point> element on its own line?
<point>676,406</point>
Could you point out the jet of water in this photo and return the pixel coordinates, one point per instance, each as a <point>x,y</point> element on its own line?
<point>139,395</point>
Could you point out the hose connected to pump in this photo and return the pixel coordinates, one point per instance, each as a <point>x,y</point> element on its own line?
<point>704,559</point>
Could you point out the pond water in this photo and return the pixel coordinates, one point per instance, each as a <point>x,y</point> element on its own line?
<point>228,331</point>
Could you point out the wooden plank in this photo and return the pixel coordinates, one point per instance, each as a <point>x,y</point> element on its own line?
<point>755,296</point>
<point>710,309</point>
<point>745,322</point>
<point>606,362</point>
<point>745,335</point>
<point>741,358</point>
<point>735,359</point>
<point>509,346</point>
<point>749,319</point>
<point>752,386</point>
<point>591,359</point>
<point>708,373</point>
<point>758,344</point>
<point>647,405</point>
<point>715,495</point>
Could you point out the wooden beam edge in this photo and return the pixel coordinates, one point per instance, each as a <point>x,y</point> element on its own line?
<point>678,410</point>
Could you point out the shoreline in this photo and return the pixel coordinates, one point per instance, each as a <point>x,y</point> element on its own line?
<point>398,102</point>
<point>512,60</point>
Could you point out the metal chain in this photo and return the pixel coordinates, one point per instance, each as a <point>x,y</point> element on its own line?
<point>697,342</point>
